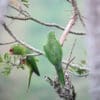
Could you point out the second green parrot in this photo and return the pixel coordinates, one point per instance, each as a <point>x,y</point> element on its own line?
<point>53,52</point>
<point>30,61</point>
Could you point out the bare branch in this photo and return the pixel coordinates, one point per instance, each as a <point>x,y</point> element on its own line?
<point>8,43</point>
<point>77,33</point>
<point>70,24</point>
<point>21,11</point>
<point>43,23</point>
<point>76,65</point>
<point>72,49</point>
<point>67,29</point>
<point>37,21</point>
<point>74,3</point>
<point>69,61</point>
<point>65,93</point>
<point>38,54</point>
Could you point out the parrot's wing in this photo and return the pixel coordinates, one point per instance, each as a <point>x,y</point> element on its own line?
<point>53,49</point>
<point>31,62</point>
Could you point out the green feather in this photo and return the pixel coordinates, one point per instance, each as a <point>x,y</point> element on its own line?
<point>30,76</point>
<point>60,74</point>
<point>31,63</point>
<point>53,49</point>
<point>53,52</point>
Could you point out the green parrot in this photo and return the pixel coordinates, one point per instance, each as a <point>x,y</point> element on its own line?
<point>18,49</point>
<point>53,52</point>
<point>30,61</point>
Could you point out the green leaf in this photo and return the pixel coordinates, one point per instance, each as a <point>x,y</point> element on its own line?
<point>7,71</point>
<point>77,71</point>
<point>80,71</point>
<point>25,3</point>
<point>6,56</point>
<point>1,59</point>
<point>83,62</point>
<point>22,66</point>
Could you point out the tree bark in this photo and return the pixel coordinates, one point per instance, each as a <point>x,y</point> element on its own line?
<point>3,9</point>
<point>92,9</point>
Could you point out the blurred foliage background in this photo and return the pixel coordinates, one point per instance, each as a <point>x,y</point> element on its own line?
<point>14,86</point>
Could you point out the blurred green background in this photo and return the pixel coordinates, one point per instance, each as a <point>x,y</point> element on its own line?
<point>14,86</point>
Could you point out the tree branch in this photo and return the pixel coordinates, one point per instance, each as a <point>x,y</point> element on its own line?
<point>70,24</point>
<point>74,4</point>
<point>43,23</point>
<point>7,43</point>
<point>67,29</point>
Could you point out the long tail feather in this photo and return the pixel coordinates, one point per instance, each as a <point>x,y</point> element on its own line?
<point>29,80</point>
<point>60,74</point>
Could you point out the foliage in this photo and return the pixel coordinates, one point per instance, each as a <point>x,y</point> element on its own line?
<point>25,2</point>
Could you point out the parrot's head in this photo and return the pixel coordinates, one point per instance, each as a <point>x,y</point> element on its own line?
<point>17,49</point>
<point>11,50</point>
<point>22,61</point>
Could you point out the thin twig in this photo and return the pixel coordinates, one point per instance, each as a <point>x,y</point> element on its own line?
<point>72,50</point>
<point>69,61</point>
<point>8,43</point>
<point>76,65</point>
<point>21,11</point>
<point>38,54</point>
<point>78,12</point>
<point>81,19</point>
<point>71,54</point>
<point>49,80</point>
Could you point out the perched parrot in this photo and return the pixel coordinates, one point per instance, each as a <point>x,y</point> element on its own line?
<point>18,49</point>
<point>53,52</point>
<point>31,63</point>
